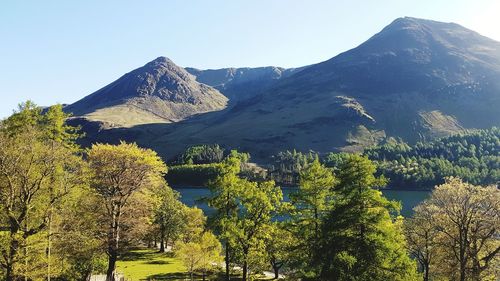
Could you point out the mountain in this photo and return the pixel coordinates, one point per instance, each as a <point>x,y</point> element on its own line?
<point>241,83</point>
<point>158,92</point>
<point>416,79</point>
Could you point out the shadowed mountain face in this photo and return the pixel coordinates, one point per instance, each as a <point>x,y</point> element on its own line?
<point>159,92</point>
<point>241,83</point>
<point>415,79</point>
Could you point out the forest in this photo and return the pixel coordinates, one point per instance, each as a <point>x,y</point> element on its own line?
<point>68,213</point>
<point>473,156</point>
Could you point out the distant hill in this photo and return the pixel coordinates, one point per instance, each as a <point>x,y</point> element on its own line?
<point>416,79</point>
<point>158,92</point>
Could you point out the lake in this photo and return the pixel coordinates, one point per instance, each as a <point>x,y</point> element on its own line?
<point>408,198</point>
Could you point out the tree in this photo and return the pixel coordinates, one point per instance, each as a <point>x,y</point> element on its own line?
<point>77,236</point>
<point>360,240</point>
<point>202,254</point>
<point>287,165</point>
<point>259,202</point>
<point>224,199</point>
<point>168,215</point>
<point>472,156</point>
<point>119,172</point>
<point>194,223</point>
<point>421,235</point>
<point>312,202</point>
<point>39,166</point>
<point>466,219</point>
<point>202,154</point>
<point>279,246</point>
<point>335,160</point>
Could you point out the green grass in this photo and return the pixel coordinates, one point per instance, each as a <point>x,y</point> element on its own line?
<point>148,264</point>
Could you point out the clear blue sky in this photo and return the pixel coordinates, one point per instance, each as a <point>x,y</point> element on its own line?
<point>60,51</point>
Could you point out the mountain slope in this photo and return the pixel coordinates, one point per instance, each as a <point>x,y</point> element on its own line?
<point>242,83</point>
<point>159,92</point>
<point>416,79</point>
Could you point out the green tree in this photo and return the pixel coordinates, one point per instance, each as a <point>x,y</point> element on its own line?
<point>360,239</point>
<point>76,238</point>
<point>280,245</point>
<point>311,203</point>
<point>202,154</point>
<point>202,254</point>
<point>39,166</point>
<point>168,215</point>
<point>335,160</point>
<point>259,202</point>
<point>473,156</point>
<point>119,172</point>
<point>287,165</point>
<point>225,190</point>
<point>194,223</point>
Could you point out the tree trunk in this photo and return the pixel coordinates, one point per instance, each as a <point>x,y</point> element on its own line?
<point>245,271</point>
<point>14,246</point>
<point>276,265</point>
<point>88,276</point>
<point>463,258</point>
<point>476,264</point>
<point>9,270</point>
<point>162,239</point>
<point>226,259</point>
<point>276,272</point>
<point>245,263</point>
<point>25,248</point>
<point>111,272</point>
<point>113,240</point>
<point>426,271</point>
<point>167,239</point>
<point>49,245</point>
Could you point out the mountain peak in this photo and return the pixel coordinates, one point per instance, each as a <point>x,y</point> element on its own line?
<point>160,90</point>
<point>161,60</point>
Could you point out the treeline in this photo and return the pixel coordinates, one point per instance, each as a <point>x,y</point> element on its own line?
<point>473,156</point>
<point>200,164</point>
<point>193,174</point>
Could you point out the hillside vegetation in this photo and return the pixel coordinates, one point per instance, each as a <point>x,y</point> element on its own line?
<point>473,156</point>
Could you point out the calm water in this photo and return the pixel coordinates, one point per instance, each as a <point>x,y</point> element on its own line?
<point>408,198</point>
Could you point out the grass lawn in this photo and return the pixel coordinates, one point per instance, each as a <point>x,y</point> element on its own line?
<point>148,264</point>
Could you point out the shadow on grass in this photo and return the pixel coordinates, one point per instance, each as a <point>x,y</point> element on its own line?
<point>158,262</point>
<point>181,276</point>
<point>169,276</point>
<point>142,254</point>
